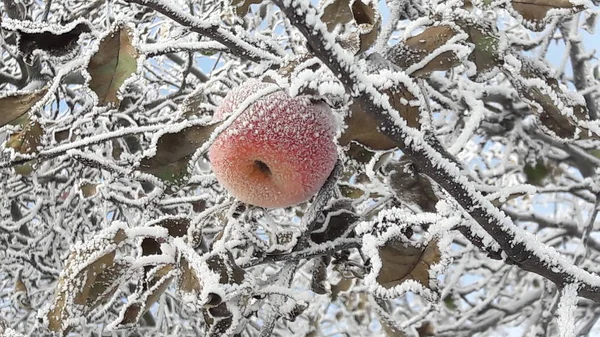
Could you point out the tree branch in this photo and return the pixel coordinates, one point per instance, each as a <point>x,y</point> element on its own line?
<point>243,46</point>
<point>521,247</point>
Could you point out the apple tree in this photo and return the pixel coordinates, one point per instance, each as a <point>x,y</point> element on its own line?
<point>463,200</point>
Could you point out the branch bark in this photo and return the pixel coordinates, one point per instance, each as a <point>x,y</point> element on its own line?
<point>243,46</point>
<point>521,247</point>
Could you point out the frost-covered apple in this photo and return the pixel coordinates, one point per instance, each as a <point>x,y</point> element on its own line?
<point>278,152</point>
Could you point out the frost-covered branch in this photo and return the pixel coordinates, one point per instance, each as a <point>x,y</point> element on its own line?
<point>238,42</point>
<point>521,248</point>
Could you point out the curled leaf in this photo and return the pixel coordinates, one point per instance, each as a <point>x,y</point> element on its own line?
<point>112,64</point>
<point>56,40</point>
<point>410,186</point>
<point>148,291</point>
<point>402,261</point>
<point>363,17</point>
<point>242,6</point>
<point>556,110</point>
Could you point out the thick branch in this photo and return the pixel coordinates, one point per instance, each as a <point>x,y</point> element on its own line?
<point>521,247</point>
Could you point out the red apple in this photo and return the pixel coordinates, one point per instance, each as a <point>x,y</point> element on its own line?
<point>278,152</point>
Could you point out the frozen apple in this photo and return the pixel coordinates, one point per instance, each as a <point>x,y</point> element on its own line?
<point>278,152</point>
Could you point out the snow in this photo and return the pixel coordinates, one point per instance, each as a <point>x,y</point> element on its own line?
<point>566,311</point>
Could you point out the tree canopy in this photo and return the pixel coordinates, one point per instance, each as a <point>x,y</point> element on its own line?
<point>464,201</point>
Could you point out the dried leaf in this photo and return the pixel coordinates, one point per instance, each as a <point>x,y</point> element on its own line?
<point>224,265</point>
<point>107,283</point>
<point>343,285</point>
<point>369,22</point>
<point>218,319</point>
<point>349,191</point>
<point>338,221</point>
<point>191,104</point>
<point>176,226</point>
<point>16,105</point>
<point>414,49</point>
<point>363,17</point>
<point>363,129</point>
<point>401,262</point>
<point>549,102</point>
<point>391,330</point>
<point>536,10</point>
<point>359,153</point>
<point>78,278</point>
<point>486,53</point>
<point>242,6</point>
<point>148,291</point>
<point>88,189</point>
<point>410,186</point>
<point>56,41</point>
<point>28,139</point>
<point>111,65</point>
<point>174,150</point>
<point>337,12</point>
<point>426,329</point>
<point>189,281</point>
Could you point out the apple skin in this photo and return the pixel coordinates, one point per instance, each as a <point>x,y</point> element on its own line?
<point>278,152</point>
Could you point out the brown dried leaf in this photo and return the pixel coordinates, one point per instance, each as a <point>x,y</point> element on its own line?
<point>401,262</point>
<point>107,283</point>
<point>174,150</point>
<point>337,12</point>
<point>191,104</point>
<point>15,105</point>
<point>536,10</point>
<point>414,49</point>
<point>410,186</point>
<point>363,17</point>
<point>549,102</point>
<point>363,129</point>
<point>224,265</point>
<point>218,320</point>
<point>369,22</point>
<point>485,55</point>
<point>56,40</point>
<point>189,282</point>
<point>28,139</point>
<point>112,64</point>
<point>78,278</point>
<point>88,189</point>
<point>242,6</point>
<point>343,285</point>
<point>426,329</point>
<point>177,227</point>
<point>149,290</point>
